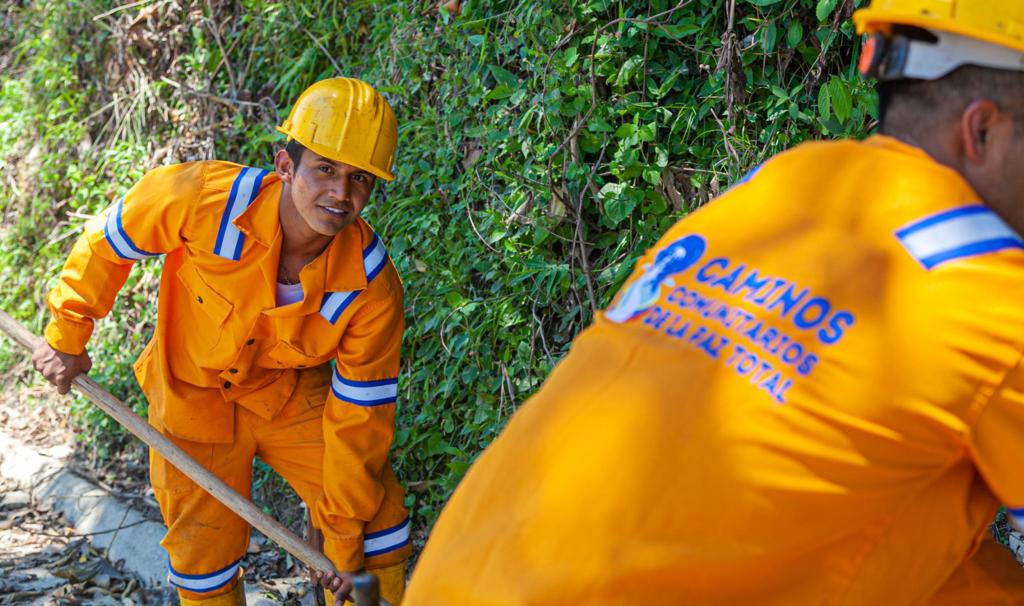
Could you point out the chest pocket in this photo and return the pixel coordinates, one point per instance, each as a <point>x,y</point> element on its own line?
<point>208,307</point>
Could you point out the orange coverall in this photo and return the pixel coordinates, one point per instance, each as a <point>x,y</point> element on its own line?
<point>229,374</point>
<point>809,392</point>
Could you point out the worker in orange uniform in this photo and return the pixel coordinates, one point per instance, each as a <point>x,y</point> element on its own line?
<point>810,391</point>
<point>268,276</point>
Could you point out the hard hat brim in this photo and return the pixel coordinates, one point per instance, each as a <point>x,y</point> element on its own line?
<point>870,21</point>
<point>332,155</point>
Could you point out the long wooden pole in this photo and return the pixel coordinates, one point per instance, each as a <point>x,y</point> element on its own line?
<point>170,451</point>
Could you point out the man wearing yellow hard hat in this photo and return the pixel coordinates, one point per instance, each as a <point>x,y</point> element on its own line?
<point>810,391</point>
<point>268,277</point>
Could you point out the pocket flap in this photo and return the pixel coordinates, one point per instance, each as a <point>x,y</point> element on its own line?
<point>210,301</point>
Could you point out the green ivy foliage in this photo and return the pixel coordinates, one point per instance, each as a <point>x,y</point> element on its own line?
<point>543,146</point>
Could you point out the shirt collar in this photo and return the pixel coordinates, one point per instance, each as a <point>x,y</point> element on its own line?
<point>260,221</point>
<point>339,268</point>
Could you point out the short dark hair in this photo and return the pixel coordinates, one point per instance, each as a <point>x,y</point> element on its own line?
<point>294,150</point>
<point>919,106</point>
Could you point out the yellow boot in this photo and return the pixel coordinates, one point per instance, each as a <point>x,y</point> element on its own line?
<point>235,597</point>
<point>391,581</point>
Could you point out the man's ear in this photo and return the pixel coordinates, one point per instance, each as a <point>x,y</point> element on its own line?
<point>283,166</point>
<point>977,124</point>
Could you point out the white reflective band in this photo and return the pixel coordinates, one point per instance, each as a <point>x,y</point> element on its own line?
<point>243,192</point>
<point>931,61</point>
<point>374,258</point>
<point>957,233</point>
<point>1016,518</point>
<point>335,303</point>
<point>118,238</point>
<point>384,541</point>
<point>202,583</point>
<point>364,393</point>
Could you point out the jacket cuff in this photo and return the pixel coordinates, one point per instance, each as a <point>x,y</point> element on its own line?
<point>345,554</point>
<point>68,336</point>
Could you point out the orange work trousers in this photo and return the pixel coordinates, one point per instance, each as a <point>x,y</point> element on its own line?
<point>205,540</point>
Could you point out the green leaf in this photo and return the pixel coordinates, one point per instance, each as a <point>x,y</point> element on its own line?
<point>647,132</point>
<point>825,8</point>
<point>769,37</point>
<point>504,76</point>
<point>824,103</point>
<point>599,125</point>
<point>626,130</point>
<point>502,91</point>
<point>842,102</point>
<point>795,34</point>
<point>619,201</point>
<point>571,54</point>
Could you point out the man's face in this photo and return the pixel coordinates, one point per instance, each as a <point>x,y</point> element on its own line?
<point>326,194</point>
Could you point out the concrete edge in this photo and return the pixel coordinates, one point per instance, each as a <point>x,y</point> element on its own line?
<point>102,518</point>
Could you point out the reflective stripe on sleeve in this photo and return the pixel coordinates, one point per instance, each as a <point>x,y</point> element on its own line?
<point>335,303</point>
<point>364,393</point>
<point>243,191</point>
<point>375,257</point>
<point>954,234</point>
<point>118,238</point>
<point>387,540</point>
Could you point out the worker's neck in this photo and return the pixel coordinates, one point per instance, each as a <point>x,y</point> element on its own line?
<point>298,238</point>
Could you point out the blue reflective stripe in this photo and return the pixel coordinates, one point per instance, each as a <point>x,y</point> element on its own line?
<point>364,393</point>
<point>244,190</point>
<point>335,303</point>
<point>963,211</point>
<point>954,234</point>
<point>750,175</point>
<point>202,583</point>
<point>384,541</point>
<point>1017,512</point>
<point>375,257</point>
<point>117,237</point>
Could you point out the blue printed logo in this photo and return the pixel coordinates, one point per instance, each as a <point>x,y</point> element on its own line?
<point>645,291</point>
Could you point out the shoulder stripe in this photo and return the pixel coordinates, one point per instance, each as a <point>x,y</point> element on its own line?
<point>954,234</point>
<point>243,191</point>
<point>364,393</point>
<point>335,303</point>
<point>375,257</point>
<point>118,238</point>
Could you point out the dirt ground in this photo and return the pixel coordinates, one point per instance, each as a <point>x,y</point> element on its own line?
<point>43,561</point>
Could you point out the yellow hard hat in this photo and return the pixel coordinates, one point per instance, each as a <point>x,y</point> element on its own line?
<point>346,120</point>
<point>998,22</point>
<point>985,33</point>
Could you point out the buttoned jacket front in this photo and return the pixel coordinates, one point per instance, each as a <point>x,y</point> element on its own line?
<point>221,341</point>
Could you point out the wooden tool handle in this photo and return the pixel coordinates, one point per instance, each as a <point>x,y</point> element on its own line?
<point>196,472</point>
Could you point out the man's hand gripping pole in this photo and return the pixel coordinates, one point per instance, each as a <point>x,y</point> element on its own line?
<point>196,472</point>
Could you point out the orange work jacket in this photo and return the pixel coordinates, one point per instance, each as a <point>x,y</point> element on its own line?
<point>809,392</point>
<point>221,340</point>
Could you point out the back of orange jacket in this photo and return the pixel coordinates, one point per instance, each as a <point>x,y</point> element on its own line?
<point>808,392</point>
